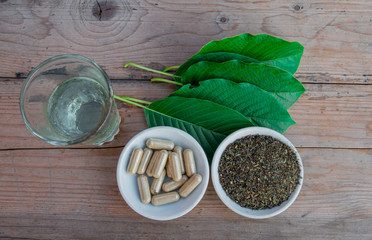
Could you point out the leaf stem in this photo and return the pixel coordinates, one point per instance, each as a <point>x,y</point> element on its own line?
<point>124,99</point>
<point>166,81</point>
<point>137,100</point>
<point>149,69</point>
<point>170,68</point>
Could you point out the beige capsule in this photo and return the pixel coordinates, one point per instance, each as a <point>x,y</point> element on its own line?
<point>146,157</point>
<point>157,183</point>
<point>144,189</point>
<point>175,166</point>
<point>153,160</point>
<point>168,168</point>
<point>134,160</point>
<point>190,185</point>
<point>178,150</point>
<point>188,158</point>
<point>173,185</point>
<point>165,198</point>
<point>154,143</point>
<point>160,164</point>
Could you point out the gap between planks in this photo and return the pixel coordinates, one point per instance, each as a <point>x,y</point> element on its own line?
<point>116,147</point>
<point>305,78</point>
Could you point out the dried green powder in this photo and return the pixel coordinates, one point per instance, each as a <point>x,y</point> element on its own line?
<point>259,172</point>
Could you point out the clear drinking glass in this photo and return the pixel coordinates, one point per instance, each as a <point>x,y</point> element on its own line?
<point>68,99</point>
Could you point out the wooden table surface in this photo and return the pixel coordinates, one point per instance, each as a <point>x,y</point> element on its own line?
<point>49,192</point>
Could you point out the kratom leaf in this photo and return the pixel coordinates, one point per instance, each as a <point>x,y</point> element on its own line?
<point>203,113</point>
<point>197,117</point>
<point>261,48</point>
<point>281,84</point>
<point>254,103</point>
<point>217,57</point>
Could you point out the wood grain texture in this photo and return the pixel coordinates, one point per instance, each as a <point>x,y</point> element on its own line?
<point>72,193</point>
<point>327,115</point>
<point>336,34</point>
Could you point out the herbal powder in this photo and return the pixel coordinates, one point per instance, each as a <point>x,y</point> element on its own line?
<point>259,172</point>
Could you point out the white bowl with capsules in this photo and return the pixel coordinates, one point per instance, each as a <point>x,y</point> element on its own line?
<point>127,183</point>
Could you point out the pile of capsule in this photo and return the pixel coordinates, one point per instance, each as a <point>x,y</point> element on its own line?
<point>157,161</point>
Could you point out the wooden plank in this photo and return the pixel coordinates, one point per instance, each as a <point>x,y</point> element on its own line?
<point>72,193</point>
<point>336,34</point>
<point>327,115</point>
<point>14,134</point>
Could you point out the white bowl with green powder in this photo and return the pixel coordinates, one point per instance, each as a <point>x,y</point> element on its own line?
<point>257,172</point>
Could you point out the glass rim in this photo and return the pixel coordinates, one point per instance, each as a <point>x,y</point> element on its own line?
<point>27,83</point>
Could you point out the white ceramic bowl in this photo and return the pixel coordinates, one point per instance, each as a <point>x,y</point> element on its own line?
<point>246,212</point>
<point>128,183</point>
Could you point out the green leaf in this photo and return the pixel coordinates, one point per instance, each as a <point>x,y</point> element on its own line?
<point>281,84</point>
<point>206,121</point>
<point>257,105</point>
<point>217,57</point>
<point>261,48</point>
<point>203,113</point>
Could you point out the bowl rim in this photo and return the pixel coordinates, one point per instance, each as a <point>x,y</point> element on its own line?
<point>204,160</point>
<point>246,212</point>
